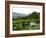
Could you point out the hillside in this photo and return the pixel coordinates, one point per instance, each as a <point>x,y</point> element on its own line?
<point>18,14</point>
<point>34,15</point>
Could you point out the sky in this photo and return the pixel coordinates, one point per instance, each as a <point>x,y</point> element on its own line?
<point>26,9</point>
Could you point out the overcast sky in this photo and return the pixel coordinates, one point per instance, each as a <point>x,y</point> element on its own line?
<point>26,9</point>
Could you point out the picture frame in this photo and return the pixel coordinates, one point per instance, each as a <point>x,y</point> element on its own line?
<point>8,6</point>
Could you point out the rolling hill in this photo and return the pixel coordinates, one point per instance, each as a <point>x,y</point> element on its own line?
<point>18,14</point>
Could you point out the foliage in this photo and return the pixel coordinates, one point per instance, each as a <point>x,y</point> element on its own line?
<point>23,23</point>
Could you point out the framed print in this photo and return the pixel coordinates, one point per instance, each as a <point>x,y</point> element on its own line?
<point>24,18</point>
